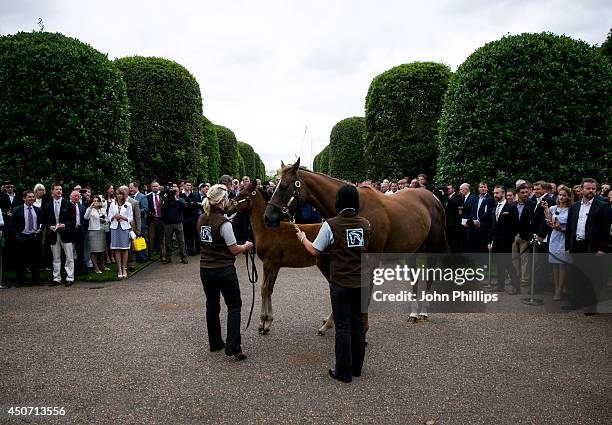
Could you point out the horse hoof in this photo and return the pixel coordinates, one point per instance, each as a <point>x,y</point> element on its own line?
<point>423,318</point>
<point>320,333</point>
<point>412,320</point>
<point>260,331</point>
<point>265,331</point>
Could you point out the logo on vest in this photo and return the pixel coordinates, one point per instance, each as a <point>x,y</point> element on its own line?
<point>205,234</point>
<point>354,237</point>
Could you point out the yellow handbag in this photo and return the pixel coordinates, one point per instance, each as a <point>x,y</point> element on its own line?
<point>139,244</point>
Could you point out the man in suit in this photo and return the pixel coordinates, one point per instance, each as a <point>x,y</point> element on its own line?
<point>503,229</point>
<point>466,211</point>
<point>26,227</point>
<point>79,231</point>
<point>8,200</point>
<point>190,218</point>
<point>539,228</point>
<point>588,239</point>
<point>453,205</point>
<point>58,219</point>
<point>155,223</point>
<point>143,205</point>
<point>520,247</point>
<point>481,218</point>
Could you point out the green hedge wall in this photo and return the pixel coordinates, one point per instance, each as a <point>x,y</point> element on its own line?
<point>323,165</point>
<point>166,113</point>
<point>228,148</point>
<point>260,172</point>
<point>63,113</point>
<point>402,110</point>
<point>248,155</point>
<point>528,106</point>
<point>210,151</point>
<point>346,151</point>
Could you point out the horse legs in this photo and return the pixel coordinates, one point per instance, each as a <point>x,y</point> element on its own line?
<point>267,287</point>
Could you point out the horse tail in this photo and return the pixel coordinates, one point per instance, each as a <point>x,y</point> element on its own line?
<point>436,241</point>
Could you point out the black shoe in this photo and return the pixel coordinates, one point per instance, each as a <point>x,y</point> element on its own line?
<point>570,307</point>
<point>238,355</point>
<point>217,348</point>
<point>131,269</point>
<point>184,260</point>
<point>334,374</point>
<point>166,261</point>
<point>496,289</point>
<point>69,283</point>
<point>356,374</point>
<point>18,285</point>
<point>55,283</point>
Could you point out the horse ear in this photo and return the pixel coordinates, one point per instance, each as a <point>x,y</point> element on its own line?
<point>296,165</point>
<point>282,164</point>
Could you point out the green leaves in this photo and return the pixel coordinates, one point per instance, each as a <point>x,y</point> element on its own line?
<point>528,106</point>
<point>346,155</point>
<point>228,149</point>
<point>63,112</point>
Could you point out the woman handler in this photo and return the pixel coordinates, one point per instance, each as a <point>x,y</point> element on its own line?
<point>218,248</point>
<point>347,235</point>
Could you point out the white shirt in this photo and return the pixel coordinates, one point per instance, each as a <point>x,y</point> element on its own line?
<point>57,204</point>
<point>78,213</point>
<point>389,192</point>
<point>582,218</point>
<point>125,211</point>
<point>324,238</point>
<point>499,208</point>
<point>93,215</point>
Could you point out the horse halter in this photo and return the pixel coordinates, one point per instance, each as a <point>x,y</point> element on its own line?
<point>285,208</point>
<point>245,199</point>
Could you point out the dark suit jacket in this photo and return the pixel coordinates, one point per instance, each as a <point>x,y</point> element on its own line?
<point>84,223</point>
<point>65,217</point>
<point>18,219</point>
<point>6,204</point>
<point>538,219</point>
<point>469,208</point>
<point>597,227</point>
<point>151,203</point>
<point>503,231</point>
<point>191,212</point>
<point>453,218</point>
<point>483,214</point>
<point>524,225</point>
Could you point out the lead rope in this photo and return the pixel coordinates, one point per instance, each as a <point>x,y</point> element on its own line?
<point>251,273</point>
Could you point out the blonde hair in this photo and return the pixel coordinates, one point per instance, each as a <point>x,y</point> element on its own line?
<point>570,194</point>
<point>216,194</point>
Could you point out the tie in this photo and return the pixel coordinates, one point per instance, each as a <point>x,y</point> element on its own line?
<point>57,209</point>
<point>497,211</point>
<point>157,211</point>
<point>30,220</point>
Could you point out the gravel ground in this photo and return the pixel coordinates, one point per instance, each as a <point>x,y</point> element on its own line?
<point>136,352</point>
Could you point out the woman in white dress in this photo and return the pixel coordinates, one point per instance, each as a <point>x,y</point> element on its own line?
<point>121,216</point>
<point>556,219</point>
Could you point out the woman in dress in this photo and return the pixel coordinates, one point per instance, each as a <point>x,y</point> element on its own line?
<point>558,257</point>
<point>95,233</point>
<point>121,215</point>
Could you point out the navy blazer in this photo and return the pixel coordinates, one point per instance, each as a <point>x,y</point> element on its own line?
<point>65,217</point>
<point>469,208</point>
<point>503,231</point>
<point>597,227</point>
<point>18,219</point>
<point>483,214</point>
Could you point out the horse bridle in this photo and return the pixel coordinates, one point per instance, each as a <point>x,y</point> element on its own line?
<point>245,199</point>
<point>285,208</point>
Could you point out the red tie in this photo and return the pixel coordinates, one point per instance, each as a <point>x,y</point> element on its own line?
<point>157,211</point>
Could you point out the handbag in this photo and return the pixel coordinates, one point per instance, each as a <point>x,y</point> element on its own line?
<point>139,244</point>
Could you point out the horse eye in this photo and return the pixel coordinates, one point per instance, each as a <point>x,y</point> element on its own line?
<point>282,186</point>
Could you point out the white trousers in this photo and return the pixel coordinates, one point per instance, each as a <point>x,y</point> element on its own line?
<point>57,260</point>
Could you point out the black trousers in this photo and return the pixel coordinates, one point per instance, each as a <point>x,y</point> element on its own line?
<point>504,266</point>
<point>80,263</point>
<point>192,243</point>
<point>590,275</point>
<point>217,282</point>
<point>29,252</point>
<point>350,330</point>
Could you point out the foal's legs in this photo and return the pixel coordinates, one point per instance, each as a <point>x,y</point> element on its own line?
<point>267,286</point>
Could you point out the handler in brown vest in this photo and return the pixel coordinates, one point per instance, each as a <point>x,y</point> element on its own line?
<point>346,235</point>
<point>218,248</point>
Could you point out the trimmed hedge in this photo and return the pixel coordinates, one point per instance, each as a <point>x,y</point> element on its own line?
<point>166,112</point>
<point>323,163</point>
<point>346,155</point>
<point>210,152</point>
<point>606,46</point>
<point>528,106</point>
<point>63,113</point>
<point>248,155</point>
<point>228,148</point>
<point>402,109</point>
<point>260,172</point>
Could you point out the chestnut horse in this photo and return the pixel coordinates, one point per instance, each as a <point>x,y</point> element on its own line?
<point>408,221</point>
<point>276,248</point>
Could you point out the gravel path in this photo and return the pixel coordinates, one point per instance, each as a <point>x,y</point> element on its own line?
<point>136,352</point>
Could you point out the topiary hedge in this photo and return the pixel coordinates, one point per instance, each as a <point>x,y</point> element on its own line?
<point>248,155</point>
<point>528,106</point>
<point>402,110</point>
<point>63,113</point>
<point>210,151</point>
<point>346,155</point>
<point>228,148</point>
<point>323,164</point>
<point>166,114</point>
<point>260,172</point>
